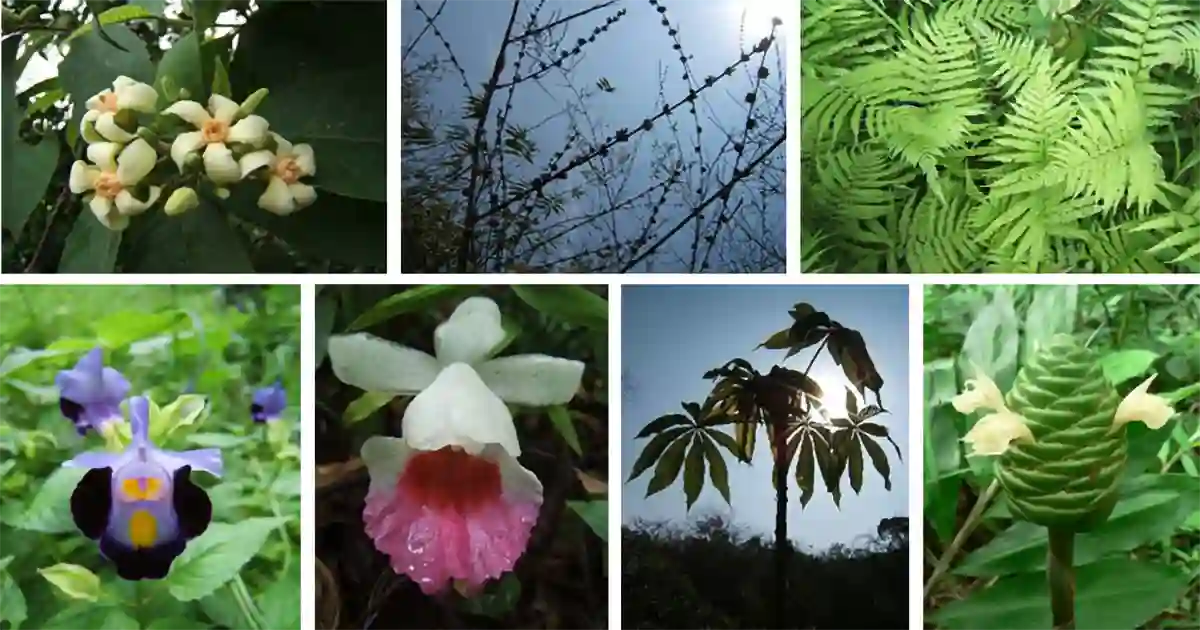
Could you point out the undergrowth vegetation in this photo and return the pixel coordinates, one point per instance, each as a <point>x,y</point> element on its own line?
<point>1001,136</point>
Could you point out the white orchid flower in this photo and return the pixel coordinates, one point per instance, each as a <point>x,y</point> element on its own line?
<point>216,130</point>
<point>99,122</point>
<point>115,173</point>
<point>1152,409</point>
<point>468,337</point>
<point>286,165</point>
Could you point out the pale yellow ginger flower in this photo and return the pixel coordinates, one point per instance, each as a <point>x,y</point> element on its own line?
<point>1152,409</point>
<point>286,165</point>
<point>994,432</point>
<point>115,173</point>
<point>100,122</point>
<point>216,130</point>
<point>981,393</point>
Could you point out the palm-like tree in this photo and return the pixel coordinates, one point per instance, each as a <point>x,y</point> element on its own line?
<point>788,404</point>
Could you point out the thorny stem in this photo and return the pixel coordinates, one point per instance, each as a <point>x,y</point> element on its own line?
<point>973,520</point>
<point>1060,573</point>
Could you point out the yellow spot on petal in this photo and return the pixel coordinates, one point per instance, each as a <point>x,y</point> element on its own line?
<point>143,529</point>
<point>141,489</point>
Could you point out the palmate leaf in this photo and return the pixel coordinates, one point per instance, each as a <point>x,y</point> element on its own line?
<point>661,423</point>
<point>849,350</point>
<point>718,472</point>
<point>693,470</point>
<point>668,466</point>
<point>655,449</point>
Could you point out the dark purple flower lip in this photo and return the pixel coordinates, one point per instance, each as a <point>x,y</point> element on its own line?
<point>268,403</point>
<point>90,393</point>
<point>141,505</point>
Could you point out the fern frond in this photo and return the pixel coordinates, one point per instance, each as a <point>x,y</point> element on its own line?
<point>936,234</point>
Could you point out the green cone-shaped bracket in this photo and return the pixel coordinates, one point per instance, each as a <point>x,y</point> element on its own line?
<point>1068,476</point>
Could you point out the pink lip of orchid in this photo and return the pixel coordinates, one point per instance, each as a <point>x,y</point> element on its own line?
<point>449,502</point>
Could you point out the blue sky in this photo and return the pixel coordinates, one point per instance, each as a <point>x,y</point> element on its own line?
<point>632,56</point>
<point>672,334</point>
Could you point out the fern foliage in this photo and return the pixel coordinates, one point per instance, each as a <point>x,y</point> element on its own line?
<point>1001,136</point>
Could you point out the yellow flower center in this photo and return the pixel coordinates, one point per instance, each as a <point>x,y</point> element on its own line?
<point>107,185</point>
<point>215,131</point>
<point>288,170</point>
<point>108,102</point>
<point>143,529</point>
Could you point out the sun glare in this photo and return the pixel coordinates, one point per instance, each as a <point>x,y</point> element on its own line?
<point>754,16</point>
<point>833,388</point>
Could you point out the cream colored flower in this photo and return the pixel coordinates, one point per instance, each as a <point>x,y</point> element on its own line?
<point>115,173</point>
<point>99,122</point>
<point>981,393</point>
<point>285,194</point>
<point>216,130</point>
<point>1149,408</point>
<point>994,432</point>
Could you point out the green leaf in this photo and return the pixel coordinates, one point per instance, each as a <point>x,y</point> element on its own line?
<point>718,471</point>
<point>855,458</point>
<point>198,241</point>
<point>730,444</point>
<point>344,230</point>
<point>204,12</point>
<point>72,580</point>
<point>1115,593</point>
<point>220,82</point>
<point>654,449</point>
<point>50,510</point>
<point>693,470</point>
<point>879,460</point>
<point>561,418</point>
<point>408,301</point>
<point>332,96</point>
<point>1122,365</point>
<point>992,341</point>
<point>115,15</point>
<point>668,465</point>
<point>26,178</point>
<point>1051,312</point>
<point>365,405</point>
<point>662,423</point>
<point>90,247</point>
<point>12,601</point>
<point>217,555</point>
<point>124,327</point>
<point>497,600</point>
<point>1153,507</point>
<point>183,413</point>
<point>92,65</point>
<point>571,304</point>
<point>180,68</point>
<point>594,513</point>
<point>280,603</point>
<point>805,469</point>
<point>778,341</point>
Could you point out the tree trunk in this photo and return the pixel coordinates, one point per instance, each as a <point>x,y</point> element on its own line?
<point>782,546</point>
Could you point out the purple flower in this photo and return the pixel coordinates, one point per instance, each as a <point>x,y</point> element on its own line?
<point>268,403</point>
<point>141,504</point>
<point>90,394</point>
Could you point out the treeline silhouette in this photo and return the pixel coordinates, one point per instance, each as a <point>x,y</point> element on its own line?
<point>711,574</point>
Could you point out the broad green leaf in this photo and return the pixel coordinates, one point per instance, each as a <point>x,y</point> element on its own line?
<point>180,68</point>
<point>220,82</point>
<point>72,580</point>
<point>727,441</point>
<point>204,12</point>
<point>223,608</point>
<point>718,471</point>
<point>1153,507</point>
<point>594,513</point>
<point>115,15</point>
<point>331,96</point>
<point>84,615</point>
<point>693,470</point>
<point>652,450</point>
<point>92,65</point>
<point>90,247</point>
<point>12,601</point>
<point>124,327</point>
<point>778,341</point>
<point>992,341</point>
<point>561,418</point>
<point>183,623</point>
<point>668,465</point>
<point>1051,312</point>
<point>50,510</point>
<point>408,301</point>
<point>571,304</point>
<point>280,602</point>
<point>344,230</point>
<point>662,423</point>
<point>1123,365</point>
<point>365,405</point>
<point>198,241</point>
<point>217,555</point>
<point>183,413</point>
<point>26,178</point>
<point>1115,593</point>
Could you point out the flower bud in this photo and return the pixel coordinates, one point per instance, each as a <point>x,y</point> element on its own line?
<point>147,134</point>
<point>251,103</point>
<point>1066,477</point>
<point>222,193</point>
<point>181,201</point>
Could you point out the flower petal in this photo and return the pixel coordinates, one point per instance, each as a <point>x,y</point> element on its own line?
<point>519,483</point>
<point>471,333</point>
<point>303,194</point>
<point>95,101</point>
<point>135,95</point>
<point>135,163</point>
<point>128,205</point>
<point>97,459</point>
<point>104,155</point>
<point>255,160</point>
<point>107,127</point>
<point>981,393</point>
<point>222,108</point>
<point>104,210</point>
<point>385,458</point>
<point>1140,405</point>
<point>184,145</point>
<point>87,127</point>
<point>458,409</point>
<point>994,432</point>
<point>249,130</point>
<point>191,111</point>
<point>306,161</point>
<point>277,199</point>
<point>206,459</point>
<point>282,146</point>
<point>83,177</point>
<point>220,165</point>
<point>532,379</point>
<point>378,365</point>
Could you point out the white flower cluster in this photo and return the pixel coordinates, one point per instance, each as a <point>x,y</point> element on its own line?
<point>228,144</point>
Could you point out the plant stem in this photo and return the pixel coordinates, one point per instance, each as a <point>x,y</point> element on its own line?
<point>1060,573</point>
<point>782,545</point>
<point>242,596</point>
<point>973,520</point>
